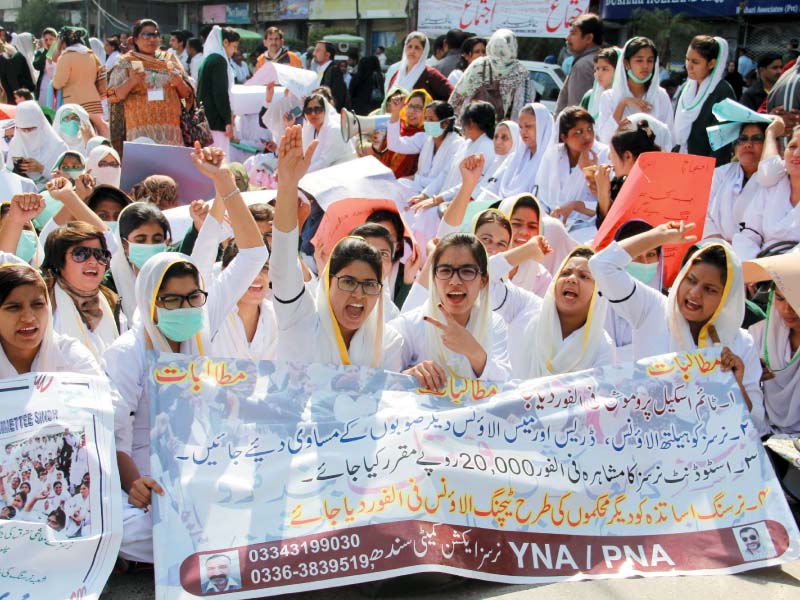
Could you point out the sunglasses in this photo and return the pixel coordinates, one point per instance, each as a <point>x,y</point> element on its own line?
<point>175,301</point>
<point>313,110</point>
<point>150,35</point>
<point>81,254</point>
<point>753,139</point>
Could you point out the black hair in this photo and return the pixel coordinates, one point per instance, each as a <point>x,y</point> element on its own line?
<point>526,201</point>
<point>466,48</point>
<point>64,237</point>
<point>24,93</point>
<point>635,139</point>
<point>195,44</point>
<point>767,59</point>
<point>632,228</point>
<point>610,55</point>
<point>315,95</point>
<point>443,111</point>
<point>179,269</point>
<point>230,252</point>
<point>22,495</point>
<point>230,34</point>
<point>49,30</point>
<point>582,252</point>
<point>493,216</point>
<point>455,38</point>
<point>14,276</point>
<point>438,43</point>
<point>72,35</point>
<point>376,230</point>
<point>107,192</point>
<point>329,48</point>
<point>636,44</point>
<point>113,42</point>
<point>351,249</point>
<point>397,224</point>
<point>139,213</point>
<point>712,255</point>
<point>181,35</point>
<point>706,46</point>
<point>482,115</point>
<point>468,240</point>
<point>570,117</point>
<point>59,516</point>
<point>590,23</point>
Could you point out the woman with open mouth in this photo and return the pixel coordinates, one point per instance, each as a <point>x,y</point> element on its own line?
<point>455,334</point>
<point>176,314</point>
<point>568,333</point>
<point>342,323</point>
<point>705,305</point>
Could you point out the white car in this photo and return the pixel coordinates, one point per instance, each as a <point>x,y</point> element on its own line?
<point>547,81</point>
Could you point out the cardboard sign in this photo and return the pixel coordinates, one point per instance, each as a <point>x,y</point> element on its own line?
<point>139,161</point>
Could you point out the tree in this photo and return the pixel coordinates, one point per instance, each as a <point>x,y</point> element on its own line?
<point>669,31</point>
<point>36,15</point>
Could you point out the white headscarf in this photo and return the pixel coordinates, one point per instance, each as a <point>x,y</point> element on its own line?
<point>214,45</point>
<point>660,129</point>
<point>332,149</point>
<point>551,228</point>
<point>99,49</point>
<point>366,346</point>
<point>495,170</point>
<point>104,175</point>
<point>546,352</point>
<point>96,141</point>
<point>43,145</point>
<point>74,142</point>
<point>693,96</point>
<point>148,283</point>
<point>620,89</point>
<point>432,165</point>
<point>728,317</point>
<point>479,325</point>
<point>122,271</point>
<point>781,394</point>
<point>403,77</point>
<point>519,171</point>
<point>501,58</point>
<point>23,42</point>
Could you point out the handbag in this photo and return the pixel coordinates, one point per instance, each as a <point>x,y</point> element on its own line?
<point>489,91</point>
<point>194,124</point>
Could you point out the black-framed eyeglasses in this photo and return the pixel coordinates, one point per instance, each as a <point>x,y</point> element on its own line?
<point>753,139</point>
<point>313,110</point>
<point>150,35</point>
<point>465,272</point>
<point>175,301</point>
<point>265,268</point>
<point>371,287</point>
<point>81,254</point>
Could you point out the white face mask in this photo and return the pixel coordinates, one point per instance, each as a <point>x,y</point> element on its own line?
<point>107,175</point>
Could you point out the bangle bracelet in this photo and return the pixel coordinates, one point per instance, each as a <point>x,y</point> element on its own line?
<point>230,194</point>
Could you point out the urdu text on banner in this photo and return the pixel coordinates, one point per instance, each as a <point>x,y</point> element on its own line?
<point>284,478</point>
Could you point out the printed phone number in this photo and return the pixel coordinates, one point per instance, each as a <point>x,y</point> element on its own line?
<point>315,546</point>
<point>316,568</point>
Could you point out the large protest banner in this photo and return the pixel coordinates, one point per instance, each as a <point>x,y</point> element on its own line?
<point>61,515</point>
<point>282,477</point>
<point>535,18</point>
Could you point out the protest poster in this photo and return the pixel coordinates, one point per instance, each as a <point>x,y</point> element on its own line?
<point>139,161</point>
<point>535,18</point>
<point>662,187</point>
<point>61,514</point>
<point>299,82</point>
<point>283,478</point>
<point>366,177</point>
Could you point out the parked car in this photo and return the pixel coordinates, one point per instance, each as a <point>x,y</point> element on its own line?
<point>547,81</point>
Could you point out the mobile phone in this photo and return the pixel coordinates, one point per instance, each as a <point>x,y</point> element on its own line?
<point>17,164</point>
<point>296,113</point>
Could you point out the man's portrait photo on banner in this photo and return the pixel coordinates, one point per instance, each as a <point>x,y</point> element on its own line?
<point>754,542</point>
<point>220,572</point>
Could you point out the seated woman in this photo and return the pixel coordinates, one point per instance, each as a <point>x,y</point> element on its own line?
<point>36,146</point>
<point>705,305</point>
<point>176,315</point>
<point>346,317</point>
<point>455,333</point>
<point>778,340</point>
<point>773,214</point>
<point>519,171</point>
<point>561,182</point>
<point>322,124</point>
<point>629,141</point>
<point>27,339</point>
<point>568,330</point>
<point>108,202</point>
<point>605,66</point>
<point>104,164</point>
<point>405,134</point>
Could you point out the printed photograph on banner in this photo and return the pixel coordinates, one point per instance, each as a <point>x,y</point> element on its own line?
<point>754,542</point>
<point>44,478</point>
<point>220,572</point>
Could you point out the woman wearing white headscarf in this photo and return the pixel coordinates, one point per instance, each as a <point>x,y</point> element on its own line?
<point>518,173</point>
<point>706,61</point>
<point>705,305</point>
<point>215,82</point>
<point>344,316</point>
<point>74,126</point>
<point>778,338</point>
<point>411,73</point>
<point>322,123</point>
<point>568,331</point>
<point>635,89</point>
<point>104,165</point>
<point>23,42</point>
<point>36,142</point>
<point>500,64</point>
<point>176,314</point>
<point>99,49</point>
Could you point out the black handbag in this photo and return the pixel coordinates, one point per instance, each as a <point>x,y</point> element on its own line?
<point>194,124</point>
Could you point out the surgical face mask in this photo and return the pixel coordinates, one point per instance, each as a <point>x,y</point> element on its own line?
<point>139,253</point>
<point>636,79</point>
<point>26,248</point>
<point>70,128</point>
<point>180,324</point>
<point>644,273</point>
<point>112,225</point>
<point>107,175</point>
<point>433,128</point>
<point>72,174</point>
